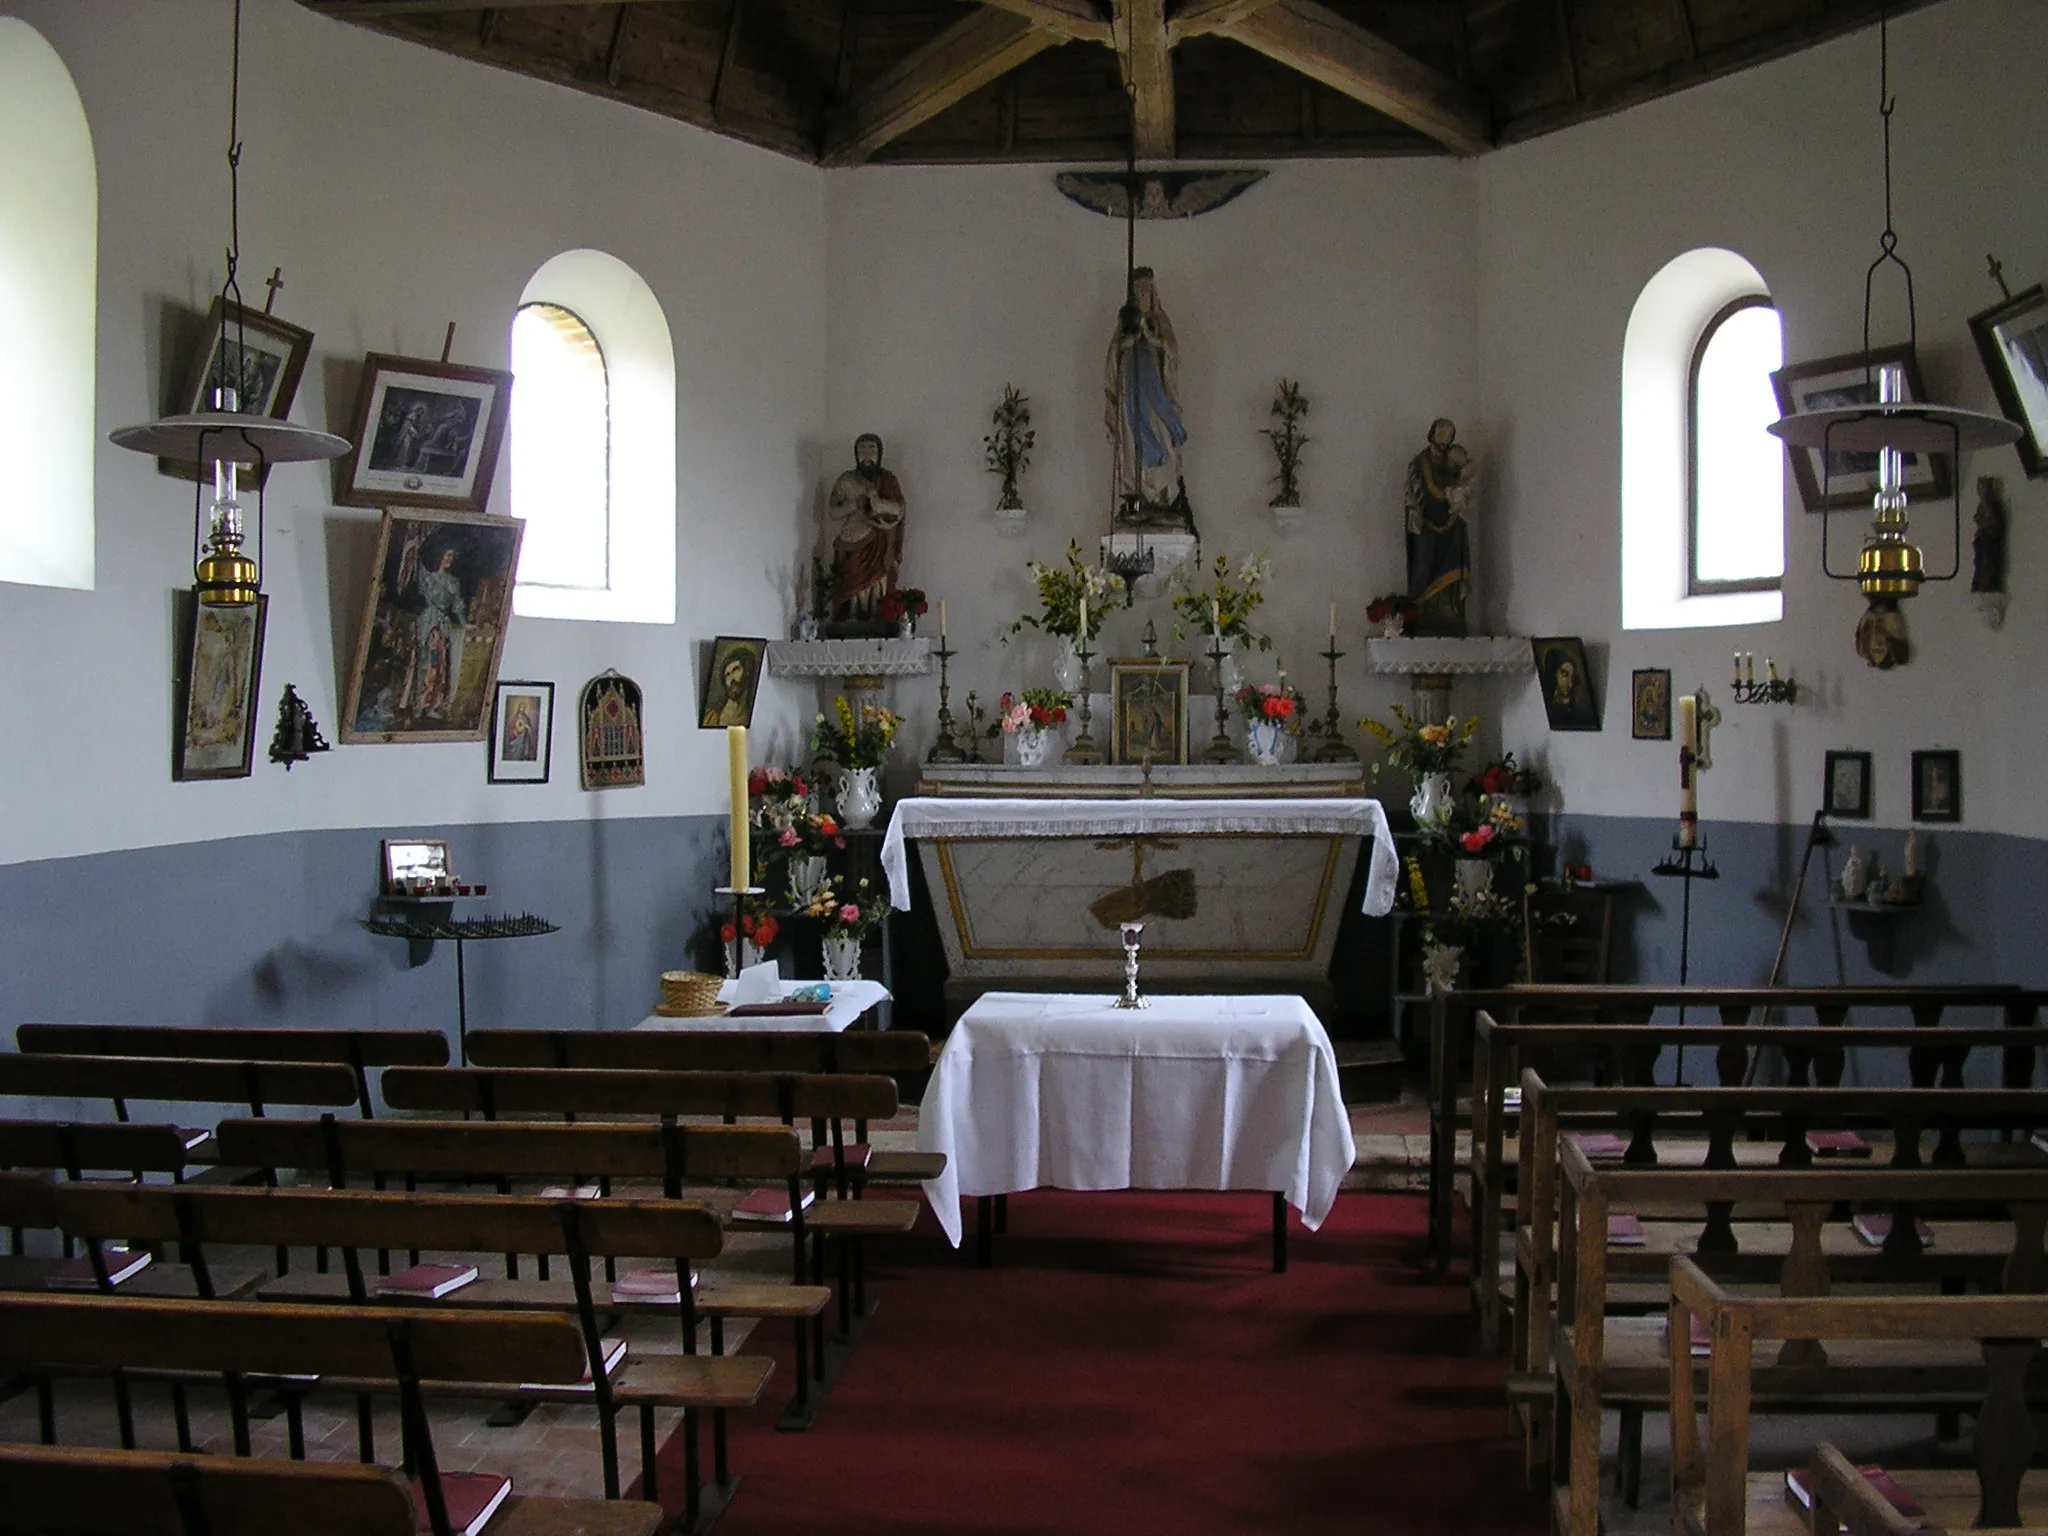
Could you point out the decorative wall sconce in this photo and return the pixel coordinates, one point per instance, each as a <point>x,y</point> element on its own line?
<point>1772,690</point>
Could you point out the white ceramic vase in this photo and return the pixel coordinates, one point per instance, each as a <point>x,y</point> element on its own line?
<point>859,797</point>
<point>1264,738</point>
<point>806,878</point>
<point>1033,743</point>
<point>842,957</point>
<point>1474,877</point>
<point>1431,802</point>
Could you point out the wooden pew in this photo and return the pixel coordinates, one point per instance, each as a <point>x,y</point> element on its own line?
<point>357,1049</point>
<point>1813,1053</point>
<point>1722,1124</point>
<point>1843,1499</point>
<point>672,1155</point>
<point>166,1080</point>
<point>1991,1339</point>
<point>674,1231</point>
<point>1598,1361</point>
<point>408,1347</point>
<point>1453,1015</point>
<point>893,1052</point>
<point>66,1492</point>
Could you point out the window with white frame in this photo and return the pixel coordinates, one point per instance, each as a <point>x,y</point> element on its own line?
<point>49,276</point>
<point>593,441</point>
<point>1702,484</point>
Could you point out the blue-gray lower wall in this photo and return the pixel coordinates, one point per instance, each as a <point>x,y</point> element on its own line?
<point>268,930</point>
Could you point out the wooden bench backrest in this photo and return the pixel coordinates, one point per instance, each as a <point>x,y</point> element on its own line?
<point>102,1332</point>
<point>600,1091</point>
<point>664,1229</point>
<point>177,1080</point>
<point>516,1150</point>
<point>68,1492</point>
<point>208,1042</point>
<point>74,1147</point>
<point>704,1050</point>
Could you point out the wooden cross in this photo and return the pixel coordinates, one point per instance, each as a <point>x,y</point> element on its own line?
<point>1997,269</point>
<point>1705,720</point>
<point>274,282</point>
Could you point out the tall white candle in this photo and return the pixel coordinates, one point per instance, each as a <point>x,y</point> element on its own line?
<point>736,767</point>
<point>1215,618</point>
<point>1688,783</point>
<point>1333,626</point>
<point>1081,633</point>
<point>942,621</point>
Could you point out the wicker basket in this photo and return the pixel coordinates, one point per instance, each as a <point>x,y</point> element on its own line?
<point>689,994</point>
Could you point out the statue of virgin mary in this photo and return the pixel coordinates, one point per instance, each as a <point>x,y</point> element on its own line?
<point>1143,412</point>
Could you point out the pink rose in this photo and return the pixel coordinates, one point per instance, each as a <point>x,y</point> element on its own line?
<point>849,913</point>
<point>788,838</point>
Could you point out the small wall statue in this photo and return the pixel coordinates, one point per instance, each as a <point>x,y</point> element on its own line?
<point>866,509</point>
<point>1440,492</point>
<point>1987,551</point>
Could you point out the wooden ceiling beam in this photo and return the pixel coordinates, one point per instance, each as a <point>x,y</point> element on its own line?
<point>1325,46</point>
<point>1079,21</point>
<point>1198,18</point>
<point>955,64</point>
<point>1147,60</point>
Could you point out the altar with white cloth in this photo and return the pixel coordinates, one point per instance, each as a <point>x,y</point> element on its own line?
<point>1236,893</point>
<point>1049,1090</point>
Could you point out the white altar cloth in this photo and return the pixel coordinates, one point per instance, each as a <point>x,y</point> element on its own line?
<point>850,999</point>
<point>934,816</point>
<point>1049,1090</point>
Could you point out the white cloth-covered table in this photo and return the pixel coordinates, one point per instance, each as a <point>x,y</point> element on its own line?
<point>1050,1090</point>
<point>935,817</point>
<point>850,999</point>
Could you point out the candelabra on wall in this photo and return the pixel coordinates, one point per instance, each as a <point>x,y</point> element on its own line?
<point>1772,690</point>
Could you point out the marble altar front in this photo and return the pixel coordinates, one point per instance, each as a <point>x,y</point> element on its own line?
<point>1239,874</point>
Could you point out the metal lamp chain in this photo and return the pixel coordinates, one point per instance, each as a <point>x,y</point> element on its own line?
<point>1888,242</point>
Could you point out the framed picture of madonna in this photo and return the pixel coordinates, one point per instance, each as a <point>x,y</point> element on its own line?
<point>433,628</point>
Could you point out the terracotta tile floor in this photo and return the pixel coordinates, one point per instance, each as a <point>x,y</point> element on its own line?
<point>556,1450</point>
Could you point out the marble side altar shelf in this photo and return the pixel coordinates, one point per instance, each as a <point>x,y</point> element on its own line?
<point>1195,781</point>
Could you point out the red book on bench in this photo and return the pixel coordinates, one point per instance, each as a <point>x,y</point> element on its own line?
<point>470,1498</point>
<point>1837,1144</point>
<point>857,1155</point>
<point>650,1285</point>
<point>1598,1143</point>
<point>776,1011</point>
<point>769,1205</point>
<point>1799,1490</point>
<point>1875,1226</point>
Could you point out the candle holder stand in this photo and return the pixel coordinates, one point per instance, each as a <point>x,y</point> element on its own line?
<point>1772,690</point>
<point>974,714</point>
<point>946,749</point>
<point>739,902</point>
<point>1222,749</point>
<point>1130,933</point>
<point>1687,862</point>
<point>1084,752</point>
<point>1335,749</point>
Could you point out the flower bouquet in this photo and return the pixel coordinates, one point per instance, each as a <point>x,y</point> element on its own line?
<point>1279,703</point>
<point>1039,709</point>
<point>1390,613</point>
<point>861,915</point>
<point>1225,605</point>
<point>1060,590</point>
<point>1422,751</point>
<point>1504,776</point>
<point>901,605</point>
<point>854,738</point>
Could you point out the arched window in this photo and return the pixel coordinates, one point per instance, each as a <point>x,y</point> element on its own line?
<point>1702,486</point>
<point>1736,523</point>
<point>49,277</point>
<point>593,448</point>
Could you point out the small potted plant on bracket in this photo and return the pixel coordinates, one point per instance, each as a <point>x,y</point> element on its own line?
<point>1009,455</point>
<point>1287,438</point>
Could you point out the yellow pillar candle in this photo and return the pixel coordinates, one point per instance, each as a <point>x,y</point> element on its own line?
<point>1333,626</point>
<point>1688,773</point>
<point>942,621</point>
<point>736,764</point>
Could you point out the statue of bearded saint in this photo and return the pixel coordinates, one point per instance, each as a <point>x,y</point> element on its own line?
<point>1143,412</point>
<point>867,545</point>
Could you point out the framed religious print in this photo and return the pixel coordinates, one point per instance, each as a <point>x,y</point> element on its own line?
<point>522,732</point>
<point>426,434</point>
<point>1847,788</point>
<point>612,746</point>
<point>1148,711</point>
<point>433,628</point>
<point>257,355</point>
<point>1848,479</point>
<point>1567,683</point>
<point>2012,338</point>
<point>221,666</point>
<point>1650,704</point>
<point>732,677</point>
<point>1938,786</point>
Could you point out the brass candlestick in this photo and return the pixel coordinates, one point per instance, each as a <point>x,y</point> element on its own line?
<point>1084,752</point>
<point>1335,749</point>
<point>946,749</point>
<point>1222,749</point>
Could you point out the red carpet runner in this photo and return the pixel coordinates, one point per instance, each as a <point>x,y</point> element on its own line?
<point>1132,1364</point>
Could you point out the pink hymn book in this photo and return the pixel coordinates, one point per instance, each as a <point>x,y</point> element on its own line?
<point>428,1280</point>
<point>857,1155</point>
<point>650,1285</point>
<point>769,1205</point>
<point>1624,1229</point>
<point>1837,1144</point>
<point>1875,1226</point>
<point>471,1498</point>
<point>1799,1491</point>
<point>1598,1143</point>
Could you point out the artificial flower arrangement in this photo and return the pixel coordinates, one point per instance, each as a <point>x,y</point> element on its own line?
<point>854,739</point>
<point>757,924</point>
<point>859,917</point>
<point>1225,605</point>
<point>784,815</point>
<point>1420,750</point>
<point>900,603</point>
<point>1060,590</point>
<point>1039,709</point>
<point>1278,702</point>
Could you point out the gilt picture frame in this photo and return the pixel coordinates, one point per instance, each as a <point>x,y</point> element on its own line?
<point>1851,379</point>
<point>433,628</point>
<point>261,356</point>
<point>1650,704</point>
<point>215,692</point>
<point>2012,339</point>
<point>1148,711</point>
<point>425,434</point>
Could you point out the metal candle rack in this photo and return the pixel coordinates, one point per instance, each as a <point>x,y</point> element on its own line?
<point>1687,862</point>
<point>420,931</point>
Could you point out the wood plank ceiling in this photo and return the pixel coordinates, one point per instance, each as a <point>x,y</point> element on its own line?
<point>845,82</point>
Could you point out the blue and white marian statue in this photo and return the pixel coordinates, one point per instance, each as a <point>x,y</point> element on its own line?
<point>1143,414</point>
